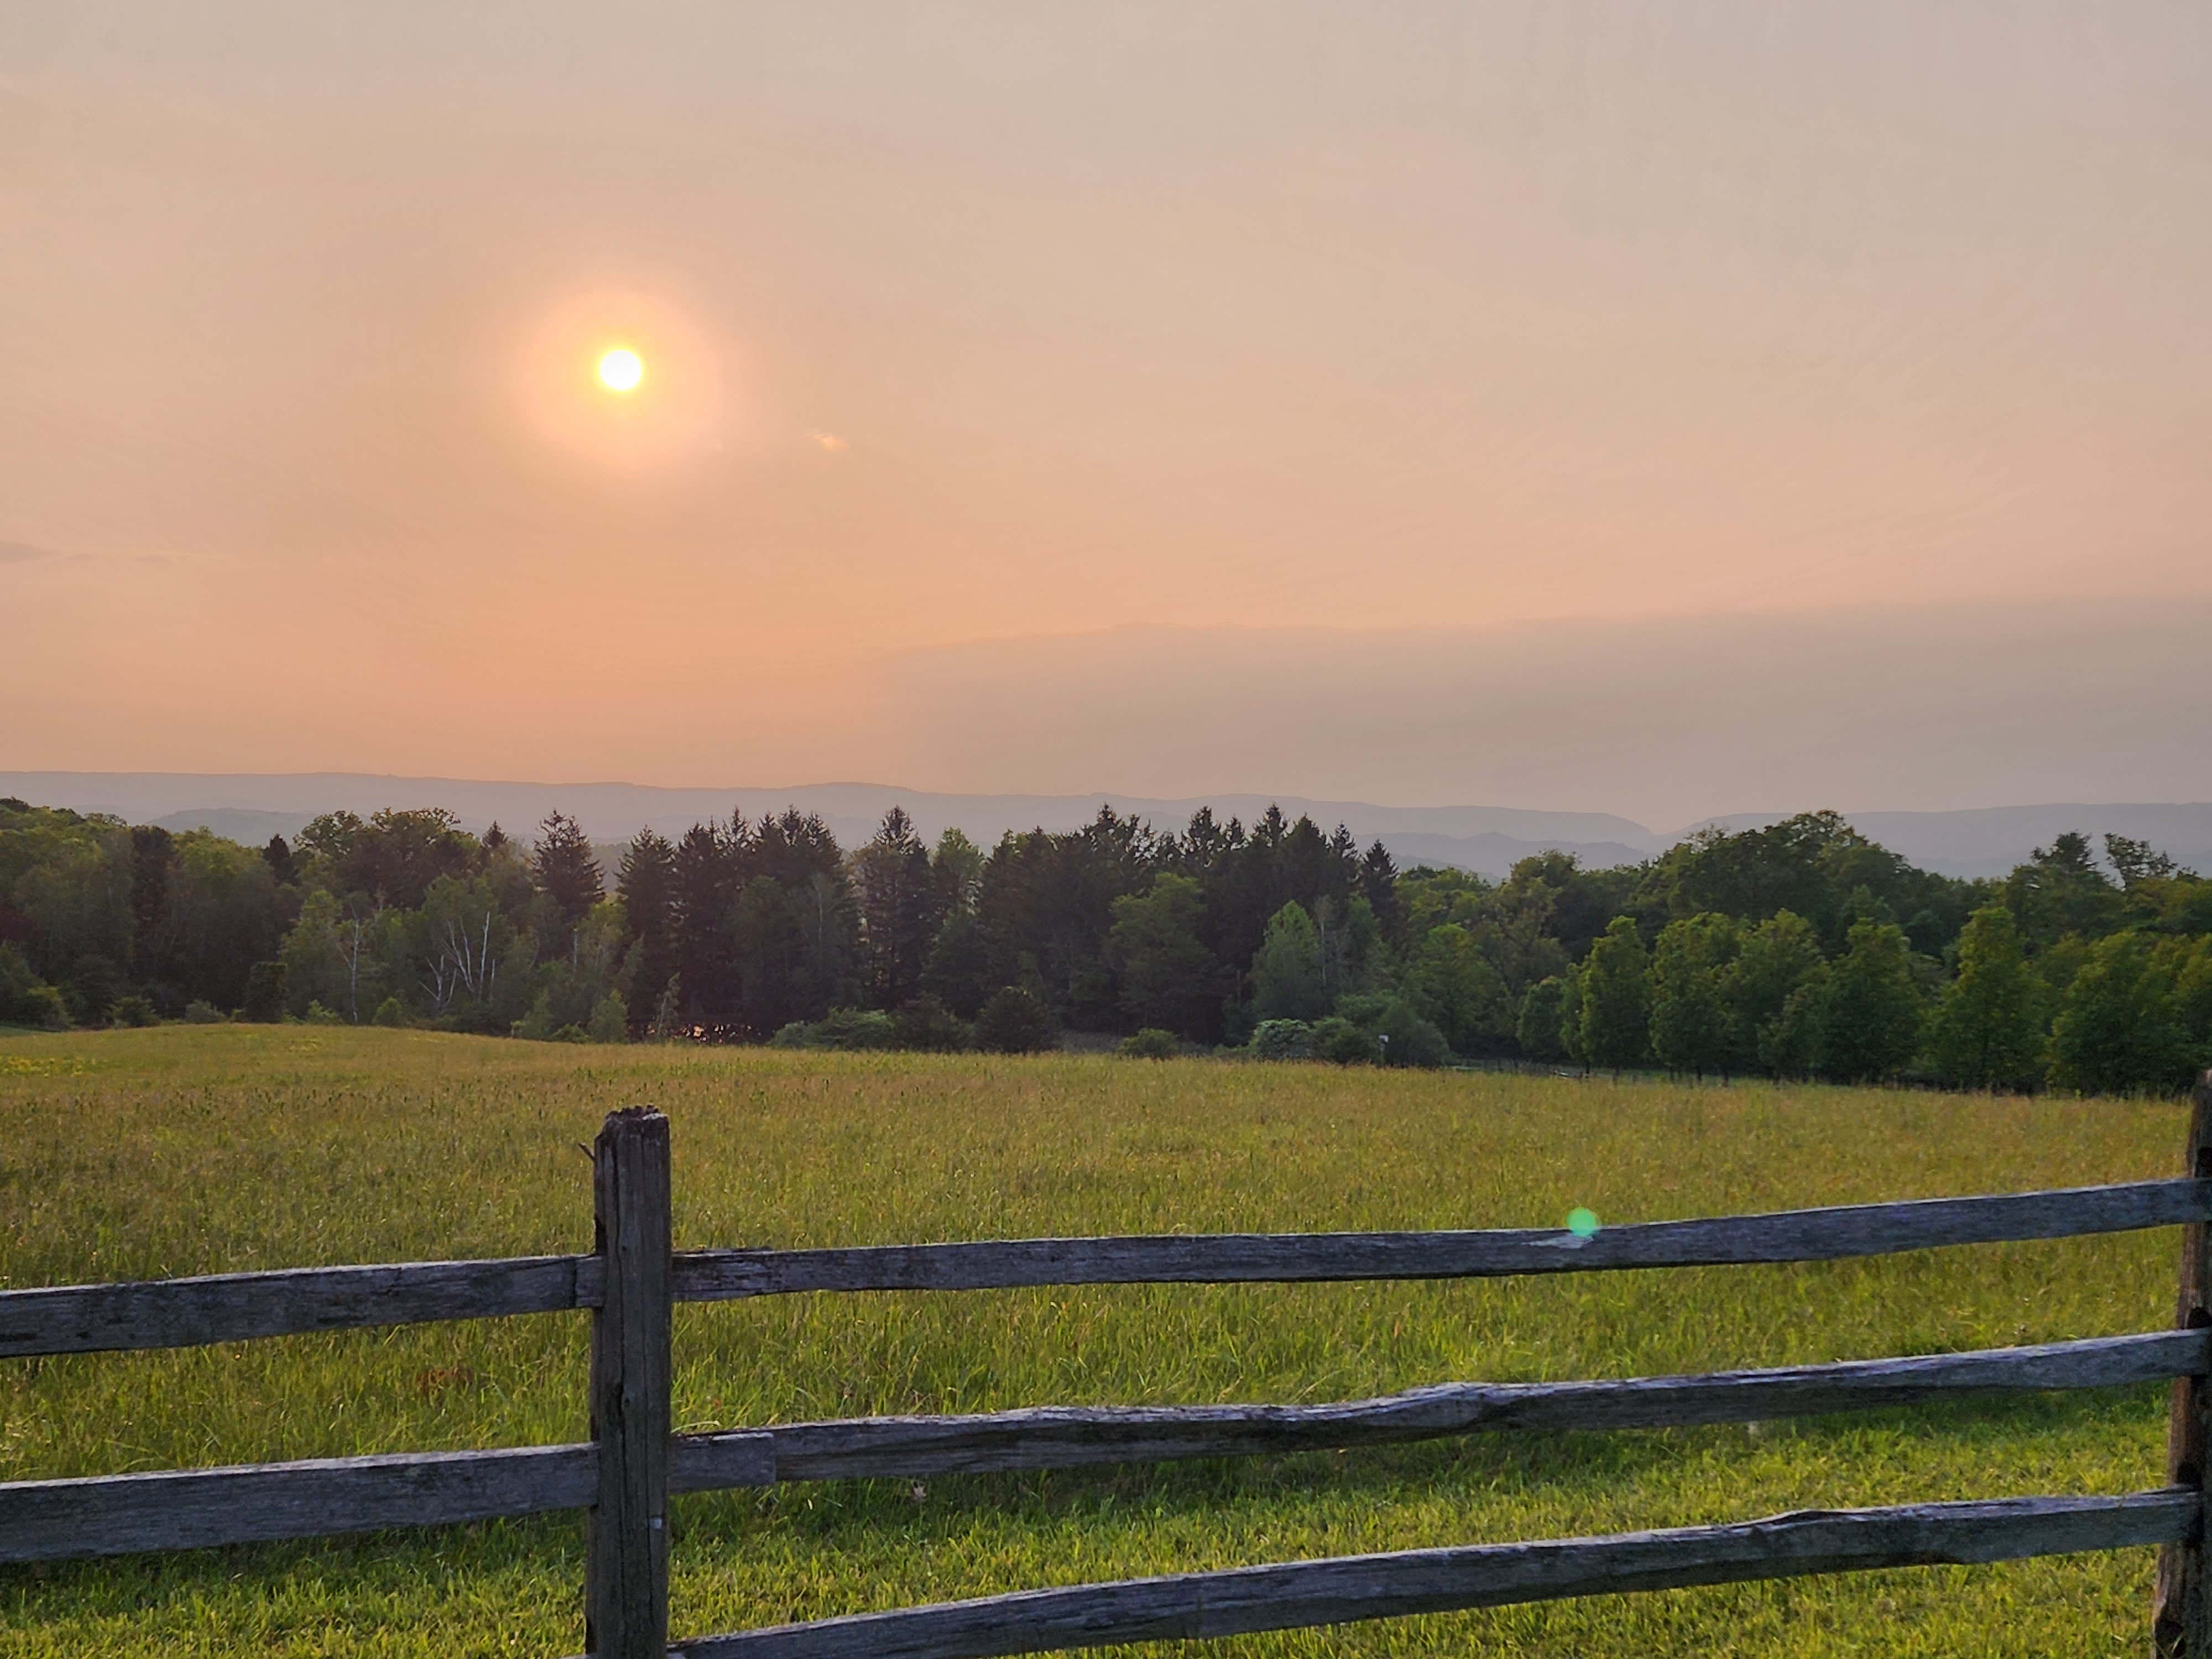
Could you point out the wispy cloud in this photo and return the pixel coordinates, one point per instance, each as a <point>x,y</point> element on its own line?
<point>21,553</point>
<point>830,442</point>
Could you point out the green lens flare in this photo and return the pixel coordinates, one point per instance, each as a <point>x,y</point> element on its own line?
<point>1583,1223</point>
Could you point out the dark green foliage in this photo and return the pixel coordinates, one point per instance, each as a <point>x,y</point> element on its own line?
<point>1340,1042</point>
<point>854,1029</point>
<point>900,903</point>
<point>1693,1022</point>
<point>277,855</point>
<point>958,971</point>
<point>1452,985</point>
<point>1399,1035</point>
<point>1012,1022</point>
<point>1282,1039</point>
<point>1150,1043</point>
<point>1169,978</point>
<point>1796,949</point>
<point>2060,891</point>
<point>265,994</point>
<point>130,1011</point>
<point>1987,1029</point>
<point>646,882</point>
<point>1870,1017</point>
<point>568,875</point>
<point>927,1024</point>
<point>1286,969</point>
<point>1613,999</point>
<point>392,858</point>
<point>1541,1027</point>
<point>2118,1028</point>
<point>25,999</point>
<point>1773,990</point>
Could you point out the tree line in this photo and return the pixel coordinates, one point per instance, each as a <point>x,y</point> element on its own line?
<point>1800,950</point>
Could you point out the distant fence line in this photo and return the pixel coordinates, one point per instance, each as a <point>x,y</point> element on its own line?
<point>623,1477</point>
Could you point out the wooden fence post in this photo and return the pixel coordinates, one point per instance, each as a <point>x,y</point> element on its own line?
<point>626,1567</point>
<point>2181,1627</point>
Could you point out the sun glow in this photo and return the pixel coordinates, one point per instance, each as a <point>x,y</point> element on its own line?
<point>620,370</point>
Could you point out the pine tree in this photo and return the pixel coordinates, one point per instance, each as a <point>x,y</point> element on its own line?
<point>566,872</point>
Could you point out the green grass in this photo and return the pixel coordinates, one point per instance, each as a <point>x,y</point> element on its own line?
<point>133,1154</point>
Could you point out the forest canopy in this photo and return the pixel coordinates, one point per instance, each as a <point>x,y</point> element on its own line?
<point>1801,948</point>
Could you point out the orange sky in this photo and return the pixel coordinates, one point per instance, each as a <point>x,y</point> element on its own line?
<point>969,325</point>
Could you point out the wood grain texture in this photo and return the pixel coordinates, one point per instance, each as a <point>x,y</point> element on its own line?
<point>1067,1437</point>
<point>1294,1594</point>
<point>194,1508</point>
<point>1858,1230</point>
<point>2181,1617</point>
<point>626,1556</point>
<point>181,1313</point>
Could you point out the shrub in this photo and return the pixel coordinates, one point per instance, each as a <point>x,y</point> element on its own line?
<point>1282,1039</point>
<point>1012,1022</point>
<point>925,1023</point>
<point>265,994</point>
<point>318,1015</point>
<point>1401,1036</point>
<point>852,1030</point>
<point>1338,1040</point>
<point>25,999</point>
<point>1150,1043</point>
<point>610,1019</point>
<point>390,1012</point>
<point>792,1036</point>
<point>132,1010</point>
<point>198,1012</point>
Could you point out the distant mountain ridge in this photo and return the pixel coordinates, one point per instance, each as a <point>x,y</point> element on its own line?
<point>252,806</point>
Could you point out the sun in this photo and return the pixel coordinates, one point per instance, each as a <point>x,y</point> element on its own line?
<point>620,370</point>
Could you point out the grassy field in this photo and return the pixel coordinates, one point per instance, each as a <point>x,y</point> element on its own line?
<point>134,1154</point>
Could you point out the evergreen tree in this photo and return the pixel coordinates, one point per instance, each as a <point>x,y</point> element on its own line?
<point>1286,979</point>
<point>899,904</point>
<point>1871,1016</point>
<point>702,904</point>
<point>1691,1025</point>
<point>567,873</point>
<point>1987,1029</point>
<point>646,882</point>
<point>1613,999</point>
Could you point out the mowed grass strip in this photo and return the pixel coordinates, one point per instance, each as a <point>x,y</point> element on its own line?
<point>135,1154</point>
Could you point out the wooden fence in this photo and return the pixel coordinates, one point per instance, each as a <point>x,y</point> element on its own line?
<point>623,1477</point>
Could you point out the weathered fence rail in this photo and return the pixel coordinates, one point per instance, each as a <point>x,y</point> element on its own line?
<point>623,1477</point>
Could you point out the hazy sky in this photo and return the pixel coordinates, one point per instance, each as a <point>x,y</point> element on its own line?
<point>1323,384</point>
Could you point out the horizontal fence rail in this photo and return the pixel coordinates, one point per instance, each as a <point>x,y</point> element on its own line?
<point>184,1313</point>
<point>1821,1234</point>
<point>1295,1594</point>
<point>261,1503</point>
<point>170,1313</point>
<point>108,1514</point>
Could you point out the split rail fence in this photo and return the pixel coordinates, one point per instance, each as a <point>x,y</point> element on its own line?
<point>624,1475</point>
